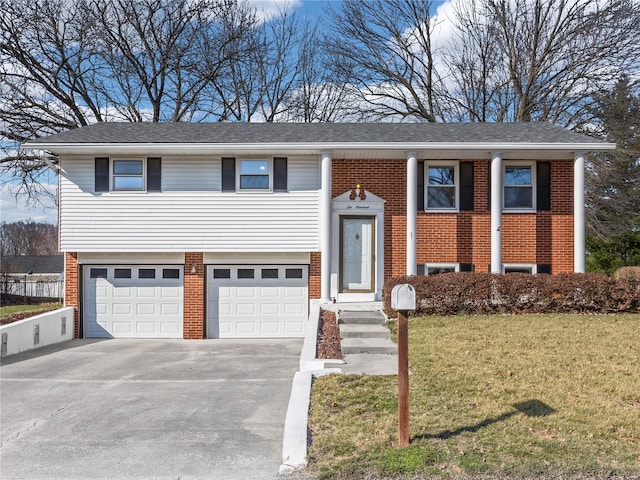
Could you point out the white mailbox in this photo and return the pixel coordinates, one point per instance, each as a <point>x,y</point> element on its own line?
<point>403,297</point>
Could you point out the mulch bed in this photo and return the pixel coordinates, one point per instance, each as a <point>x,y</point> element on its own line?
<point>328,346</point>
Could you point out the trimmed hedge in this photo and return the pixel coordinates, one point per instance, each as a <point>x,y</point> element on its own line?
<point>487,293</point>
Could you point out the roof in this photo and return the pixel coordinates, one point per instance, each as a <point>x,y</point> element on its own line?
<point>32,264</point>
<point>308,138</point>
<point>308,133</point>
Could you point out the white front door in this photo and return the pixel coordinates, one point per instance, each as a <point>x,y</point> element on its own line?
<point>356,250</point>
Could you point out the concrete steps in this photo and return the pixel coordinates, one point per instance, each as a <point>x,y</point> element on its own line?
<point>363,332</point>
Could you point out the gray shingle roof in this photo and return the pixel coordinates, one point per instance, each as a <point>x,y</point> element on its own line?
<point>314,133</point>
<point>32,263</point>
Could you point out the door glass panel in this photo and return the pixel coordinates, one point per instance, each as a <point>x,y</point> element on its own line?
<point>357,254</point>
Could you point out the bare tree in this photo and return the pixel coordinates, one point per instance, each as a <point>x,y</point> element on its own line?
<point>541,60</point>
<point>385,49</point>
<point>28,238</point>
<point>68,64</point>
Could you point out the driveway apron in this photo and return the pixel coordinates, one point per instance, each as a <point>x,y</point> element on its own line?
<point>211,409</point>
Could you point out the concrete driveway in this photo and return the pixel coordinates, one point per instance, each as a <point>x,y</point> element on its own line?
<point>125,409</point>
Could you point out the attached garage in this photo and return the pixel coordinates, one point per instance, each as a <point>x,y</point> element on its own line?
<point>253,301</point>
<point>141,301</point>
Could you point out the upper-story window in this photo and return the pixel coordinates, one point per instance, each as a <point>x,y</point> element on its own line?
<point>254,174</point>
<point>519,186</point>
<point>441,186</point>
<point>128,175</point>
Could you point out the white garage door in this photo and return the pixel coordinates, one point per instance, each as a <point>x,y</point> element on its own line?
<point>142,301</point>
<point>249,301</point>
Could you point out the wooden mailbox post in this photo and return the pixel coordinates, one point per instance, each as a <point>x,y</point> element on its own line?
<point>403,299</point>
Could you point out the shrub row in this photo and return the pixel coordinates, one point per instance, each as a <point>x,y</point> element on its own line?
<point>486,293</point>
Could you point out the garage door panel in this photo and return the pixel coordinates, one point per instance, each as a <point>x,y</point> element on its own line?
<point>271,304</point>
<point>147,307</point>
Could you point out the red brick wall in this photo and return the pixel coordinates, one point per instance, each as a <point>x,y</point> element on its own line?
<point>314,274</point>
<point>71,289</point>
<point>387,179</point>
<point>194,297</point>
<point>541,237</point>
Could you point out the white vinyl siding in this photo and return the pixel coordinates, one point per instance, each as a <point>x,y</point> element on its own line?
<point>191,174</point>
<point>181,219</point>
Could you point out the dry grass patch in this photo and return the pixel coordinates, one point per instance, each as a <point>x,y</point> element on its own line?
<point>516,396</point>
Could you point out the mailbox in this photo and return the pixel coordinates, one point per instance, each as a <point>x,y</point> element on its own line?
<point>403,297</point>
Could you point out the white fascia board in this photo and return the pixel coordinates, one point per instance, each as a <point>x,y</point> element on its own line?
<point>310,148</point>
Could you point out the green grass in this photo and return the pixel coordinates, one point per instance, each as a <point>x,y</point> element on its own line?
<point>10,310</point>
<point>502,396</point>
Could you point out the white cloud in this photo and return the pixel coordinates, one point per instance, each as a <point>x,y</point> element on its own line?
<point>14,209</point>
<point>268,8</point>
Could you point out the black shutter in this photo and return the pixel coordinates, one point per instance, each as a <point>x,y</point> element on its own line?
<point>544,268</point>
<point>466,186</point>
<point>154,175</point>
<point>543,186</point>
<point>420,190</point>
<point>280,174</point>
<point>466,267</point>
<point>102,174</point>
<point>228,174</point>
<point>420,270</point>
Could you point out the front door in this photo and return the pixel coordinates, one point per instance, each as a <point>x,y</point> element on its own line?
<point>357,254</point>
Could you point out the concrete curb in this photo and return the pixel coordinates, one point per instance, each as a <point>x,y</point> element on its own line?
<point>294,439</point>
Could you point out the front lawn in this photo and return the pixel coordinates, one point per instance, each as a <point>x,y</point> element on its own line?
<point>13,313</point>
<point>535,396</point>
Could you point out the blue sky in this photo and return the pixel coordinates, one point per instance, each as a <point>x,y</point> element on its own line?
<point>15,209</point>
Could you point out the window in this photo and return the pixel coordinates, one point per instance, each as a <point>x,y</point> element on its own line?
<point>519,189</point>
<point>519,268</point>
<point>269,273</point>
<point>121,273</point>
<point>254,175</point>
<point>245,273</point>
<point>221,273</point>
<point>128,175</point>
<point>170,273</point>
<point>438,268</point>
<point>441,186</point>
<point>98,273</point>
<point>146,273</point>
<point>293,273</point>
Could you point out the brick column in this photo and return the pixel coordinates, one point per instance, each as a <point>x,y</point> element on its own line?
<point>71,289</point>
<point>314,275</point>
<point>194,297</point>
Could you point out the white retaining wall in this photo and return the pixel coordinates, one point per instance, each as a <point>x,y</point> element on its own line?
<point>34,332</point>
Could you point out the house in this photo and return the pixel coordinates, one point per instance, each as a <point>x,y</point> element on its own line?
<point>32,275</point>
<point>231,229</point>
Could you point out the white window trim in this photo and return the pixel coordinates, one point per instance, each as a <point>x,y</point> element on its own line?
<point>427,266</point>
<point>112,188</point>
<point>456,179</point>
<point>532,266</point>
<point>514,163</point>
<point>254,190</point>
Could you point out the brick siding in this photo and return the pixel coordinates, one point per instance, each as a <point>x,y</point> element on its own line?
<point>72,289</point>
<point>194,297</point>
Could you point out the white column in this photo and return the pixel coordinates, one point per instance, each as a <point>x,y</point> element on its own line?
<point>412,207</point>
<point>325,227</point>
<point>578,214</point>
<point>496,212</point>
